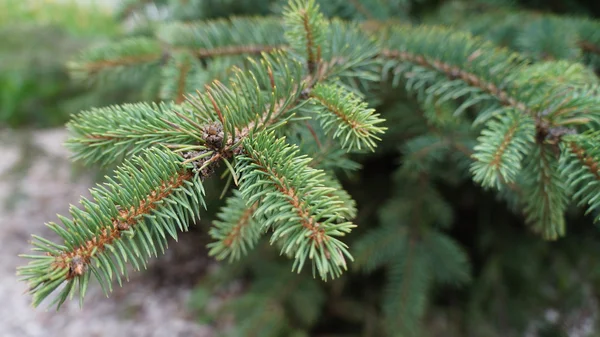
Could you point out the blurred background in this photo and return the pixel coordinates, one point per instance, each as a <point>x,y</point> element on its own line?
<point>521,285</point>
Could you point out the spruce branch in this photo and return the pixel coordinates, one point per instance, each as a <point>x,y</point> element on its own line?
<point>306,30</point>
<point>501,148</point>
<point>470,63</point>
<point>271,89</point>
<point>449,261</point>
<point>542,36</point>
<point>347,117</point>
<point>236,230</point>
<point>115,57</point>
<point>479,72</point>
<point>408,283</point>
<point>350,54</point>
<point>545,193</point>
<point>209,128</point>
<point>440,65</point>
<point>151,197</point>
<point>380,246</point>
<point>579,163</point>
<point>180,74</point>
<point>215,45</point>
<point>295,203</point>
<point>103,135</point>
<point>238,36</point>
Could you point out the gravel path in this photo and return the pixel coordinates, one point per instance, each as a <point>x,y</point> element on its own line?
<point>36,182</point>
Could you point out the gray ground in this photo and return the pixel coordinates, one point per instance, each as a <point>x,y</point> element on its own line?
<point>36,182</point>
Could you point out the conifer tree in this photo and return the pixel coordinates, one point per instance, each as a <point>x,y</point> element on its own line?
<point>284,106</point>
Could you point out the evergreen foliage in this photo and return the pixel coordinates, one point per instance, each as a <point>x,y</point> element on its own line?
<point>287,107</point>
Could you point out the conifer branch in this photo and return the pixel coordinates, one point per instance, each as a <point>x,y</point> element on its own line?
<point>586,160</point>
<point>543,36</point>
<point>237,37</point>
<point>501,148</point>
<point>127,53</point>
<point>411,274</point>
<point>453,72</point>
<point>320,67</point>
<point>312,59</point>
<point>378,247</point>
<point>295,203</point>
<point>123,224</point>
<point>236,230</point>
<point>580,164</point>
<point>180,75</point>
<point>183,71</point>
<point>77,259</point>
<point>444,65</point>
<point>545,193</point>
<point>347,117</point>
<point>103,135</point>
<point>224,37</point>
<point>241,50</point>
<point>306,30</point>
<point>483,74</point>
<point>350,54</point>
<point>210,127</point>
<point>95,67</point>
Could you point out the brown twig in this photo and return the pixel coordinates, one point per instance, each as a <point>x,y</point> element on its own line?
<point>456,72</point>
<point>181,83</point>
<point>586,160</point>
<point>242,222</point>
<point>77,259</point>
<point>311,59</point>
<point>307,220</point>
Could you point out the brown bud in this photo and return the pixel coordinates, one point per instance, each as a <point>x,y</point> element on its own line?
<point>77,266</point>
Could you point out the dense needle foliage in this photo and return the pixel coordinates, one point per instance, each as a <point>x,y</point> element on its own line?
<point>421,178</point>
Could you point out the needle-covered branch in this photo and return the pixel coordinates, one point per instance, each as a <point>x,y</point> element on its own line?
<point>236,231</point>
<point>304,214</point>
<point>126,57</point>
<point>345,116</point>
<point>254,99</point>
<point>442,65</point>
<point>103,135</point>
<point>545,193</point>
<point>501,148</point>
<point>306,30</point>
<point>231,37</point>
<point>128,220</point>
<point>579,162</point>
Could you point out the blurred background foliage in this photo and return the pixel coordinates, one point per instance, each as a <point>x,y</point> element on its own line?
<point>519,284</point>
<point>37,38</point>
